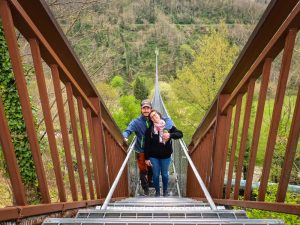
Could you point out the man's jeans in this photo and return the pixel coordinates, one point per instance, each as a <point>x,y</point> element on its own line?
<point>160,166</point>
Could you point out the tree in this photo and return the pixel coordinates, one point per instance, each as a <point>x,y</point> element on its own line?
<point>117,82</point>
<point>129,110</point>
<point>198,83</point>
<point>140,90</point>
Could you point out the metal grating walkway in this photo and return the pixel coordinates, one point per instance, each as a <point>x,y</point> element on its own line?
<point>159,211</point>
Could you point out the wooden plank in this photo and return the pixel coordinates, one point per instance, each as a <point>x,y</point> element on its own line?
<point>282,81</point>
<point>257,126</point>
<point>10,36</point>
<point>243,142</point>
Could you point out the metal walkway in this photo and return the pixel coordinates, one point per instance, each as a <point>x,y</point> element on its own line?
<point>159,210</point>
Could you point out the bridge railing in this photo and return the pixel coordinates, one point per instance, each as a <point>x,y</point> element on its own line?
<point>96,142</point>
<point>226,144</point>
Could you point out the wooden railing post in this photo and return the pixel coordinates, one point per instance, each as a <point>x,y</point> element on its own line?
<point>218,150</point>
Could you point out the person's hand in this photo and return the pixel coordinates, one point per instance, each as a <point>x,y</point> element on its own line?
<point>126,140</point>
<point>148,162</point>
<point>166,136</point>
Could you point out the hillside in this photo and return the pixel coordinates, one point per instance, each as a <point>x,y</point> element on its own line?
<point>119,37</point>
<point>115,41</point>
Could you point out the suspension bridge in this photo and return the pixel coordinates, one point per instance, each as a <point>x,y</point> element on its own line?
<point>100,190</point>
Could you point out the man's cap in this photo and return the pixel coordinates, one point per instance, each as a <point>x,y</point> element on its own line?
<point>145,103</point>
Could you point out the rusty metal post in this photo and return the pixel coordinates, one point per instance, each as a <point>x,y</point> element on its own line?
<point>76,138</point>
<point>209,157</point>
<point>109,152</point>
<point>10,36</point>
<point>85,146</point>
<point>93,152</point>
<point>189,181</point>
<point>290,152</point>
<point>282,81</point>
<point>257,126</point>
<point>100,149</point>
<point>225,155</point>
<point>41,83</point>
<point>233,144</point>
<point>218,153</point>
<point>10,159</point>
<point>243,142</point>
<point>64,130</point>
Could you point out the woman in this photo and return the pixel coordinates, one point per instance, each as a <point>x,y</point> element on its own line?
<point>158,150</point>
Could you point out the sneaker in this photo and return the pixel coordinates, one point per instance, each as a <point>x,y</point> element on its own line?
<point>166,194</point>
<point>157,194</point>
<point>146,192</point>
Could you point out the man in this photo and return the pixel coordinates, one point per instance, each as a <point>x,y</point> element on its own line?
<point>139,126</point>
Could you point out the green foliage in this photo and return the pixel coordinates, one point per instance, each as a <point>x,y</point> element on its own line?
<point>120,37</point>
<point>212,11</point>
<point>117,82</point>
<point>198,83</point>
<point>187,53</point>
<point>140,90</point>
<point>109,94</point>
<point>130,109</point>
<point>10,97</point>
<point>146,13</point>
<point>291,198</point>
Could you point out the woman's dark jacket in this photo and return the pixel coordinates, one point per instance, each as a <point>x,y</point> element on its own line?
<point>155,149</point>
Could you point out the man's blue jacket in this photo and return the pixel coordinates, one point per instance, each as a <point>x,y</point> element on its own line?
<point>139,127</point>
